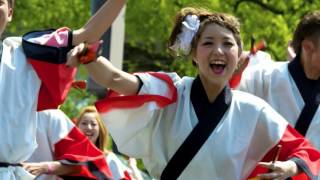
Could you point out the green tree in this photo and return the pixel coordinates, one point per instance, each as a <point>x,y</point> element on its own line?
<point>147,29</point>
<point>44,14</point>
<point>149,22</point>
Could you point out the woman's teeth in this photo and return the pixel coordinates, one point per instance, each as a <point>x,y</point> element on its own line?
<point>218,67</point>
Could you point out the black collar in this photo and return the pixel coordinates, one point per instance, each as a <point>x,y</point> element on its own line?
<point>201,103</point>
<point>309,89</point>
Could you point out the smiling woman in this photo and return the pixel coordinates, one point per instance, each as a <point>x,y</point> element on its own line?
<point>196,127</point>
<point>90,123</point>
<point>216,57</point>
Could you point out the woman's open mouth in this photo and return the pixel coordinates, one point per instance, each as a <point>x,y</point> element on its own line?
<point>218,67</point>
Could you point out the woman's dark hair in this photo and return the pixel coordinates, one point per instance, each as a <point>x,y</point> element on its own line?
<point>308,27</point>
<point>206,17</point>
<point>11,3</point>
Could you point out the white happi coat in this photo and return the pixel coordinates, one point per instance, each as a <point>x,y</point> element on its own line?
<point>18,103</point>
<point>274,84</point>
<point>60,140</point>
<point>53,125</point>
<point>153,131</point>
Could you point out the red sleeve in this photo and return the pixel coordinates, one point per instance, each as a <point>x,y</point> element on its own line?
<point>298,149</point>
<point>46,51</point>
<point>76,149</point>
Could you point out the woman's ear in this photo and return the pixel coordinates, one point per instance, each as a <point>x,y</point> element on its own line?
<point>10,14</point>
<point>194,61</point>
<point>307,46</point>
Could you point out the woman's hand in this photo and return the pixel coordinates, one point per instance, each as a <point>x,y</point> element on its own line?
<point>37,168</point>
<point>281,170</point>
<point>73,55</point>
<point>83,54</point>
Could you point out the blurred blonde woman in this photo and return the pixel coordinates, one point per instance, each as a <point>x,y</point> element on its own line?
<point>90,123</point>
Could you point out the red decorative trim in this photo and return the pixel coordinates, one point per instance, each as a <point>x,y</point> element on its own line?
<point>114,100</point>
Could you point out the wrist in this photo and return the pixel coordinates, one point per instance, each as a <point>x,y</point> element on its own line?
<point>294,169</point>
<point>49,168</point>
<point>301,165</point>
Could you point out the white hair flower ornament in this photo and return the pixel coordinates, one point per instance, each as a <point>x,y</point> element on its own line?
<point>189,28</point>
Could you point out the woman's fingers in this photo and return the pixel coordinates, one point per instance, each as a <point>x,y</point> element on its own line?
<point>272,175</point>
<point>74,55</point>
<point>268,165</point>
<point>34,168</point>
<point>279,169</point>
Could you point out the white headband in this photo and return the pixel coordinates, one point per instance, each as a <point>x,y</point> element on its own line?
<point>189,28</point>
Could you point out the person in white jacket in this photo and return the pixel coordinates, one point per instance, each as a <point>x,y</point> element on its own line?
<point>91,124</point>
<point>64,151</point>
<point>29,85</point>
<point>292,87</point>
<point>197,128</point>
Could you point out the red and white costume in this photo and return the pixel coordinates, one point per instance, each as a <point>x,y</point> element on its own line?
<point>153,124</point>
<point>59,140</point>
<point>33,77</point>
<point>275,84</point>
